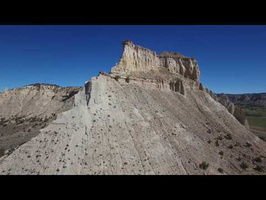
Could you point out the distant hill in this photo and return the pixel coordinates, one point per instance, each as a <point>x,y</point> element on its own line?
<point>255,99</point>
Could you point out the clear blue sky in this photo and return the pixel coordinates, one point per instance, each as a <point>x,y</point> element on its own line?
<point>232,59</point>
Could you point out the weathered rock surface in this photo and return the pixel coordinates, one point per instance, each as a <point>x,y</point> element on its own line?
<point>235,110</point>
<point>24,111</point>
<point>36,99</point>
<point>138,59</point>
<point>141,125</point>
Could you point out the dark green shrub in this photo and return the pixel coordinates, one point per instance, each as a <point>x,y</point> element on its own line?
<point>117,77</point>
<point>258,159</point>
<point>244,165</point>
<point>220,170</point>
<point>204,165</point>
<point>248,144</point>
<point>127,79</point>
<point>2,152</point>
<point>228,136</point>
<point>259,168</point>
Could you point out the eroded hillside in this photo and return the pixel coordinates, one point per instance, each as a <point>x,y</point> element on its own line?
<point>24,111</point>
<point>150,116</point>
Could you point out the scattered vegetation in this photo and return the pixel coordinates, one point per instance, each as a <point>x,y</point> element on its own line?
<point>204,165</point>
<point>257,121</point>
<point>221,153</point>
<point>217,143</point>
<point>230,146</point>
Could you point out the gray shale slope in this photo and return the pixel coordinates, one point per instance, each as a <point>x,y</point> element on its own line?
<point>24,111</point>
<point>151,115</point>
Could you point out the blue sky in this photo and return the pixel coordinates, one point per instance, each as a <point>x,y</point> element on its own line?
<point>232,59</point>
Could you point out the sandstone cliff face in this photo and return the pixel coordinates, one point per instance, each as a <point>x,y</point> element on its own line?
<point>141,125</point>
<point>138,59</point>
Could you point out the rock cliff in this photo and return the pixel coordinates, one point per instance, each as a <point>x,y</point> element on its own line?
<point>235,110</point>
<point>138,59</point>
<point>142,119</point>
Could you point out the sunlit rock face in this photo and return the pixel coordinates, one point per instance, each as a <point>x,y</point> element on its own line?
<point>139,59</point>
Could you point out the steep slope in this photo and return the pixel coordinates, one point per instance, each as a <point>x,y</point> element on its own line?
<point>155,122</point>
<point>24,111</point>
<point>235,110</point>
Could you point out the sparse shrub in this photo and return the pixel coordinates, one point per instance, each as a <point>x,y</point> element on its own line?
<point>220,170</point>
<point>228,136</point>
<point>209,131</point>
<point>29,130</point>
<point>244,165</point>
<point>259,168</point>
<point>117,77</point>
<point>248,144</point>
<point>221,153</point>
<point>258,159</point>
<point>217,143</point>
<point>209,141</point>
<point>127,79</point>
<point>2,152</point>
<point>230,146</point>
<point>204,165</point>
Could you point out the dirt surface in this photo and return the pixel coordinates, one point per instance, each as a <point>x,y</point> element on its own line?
<point>117,127</point>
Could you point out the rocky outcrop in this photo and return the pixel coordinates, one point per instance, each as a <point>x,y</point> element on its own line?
<point>235,110</point>
<point>24,111</point>
<point>141,125</point>
<point>139,59</point>
<point>36,99</point>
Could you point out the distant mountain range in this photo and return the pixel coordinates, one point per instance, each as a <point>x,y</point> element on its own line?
<point>255,99</point>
